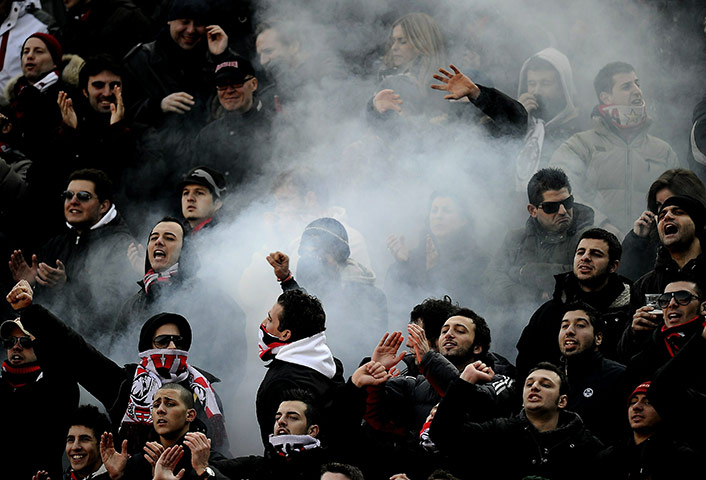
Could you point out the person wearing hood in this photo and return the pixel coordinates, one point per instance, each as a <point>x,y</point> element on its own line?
<point>592,280</point>
<point>523,269</point>
<point>547,92</point>
<point>356,308</point>
<point>170,284</point>
<point>83,273</point>
<point>544,440</point>
<point>127,392</point>
<point>613,165</point>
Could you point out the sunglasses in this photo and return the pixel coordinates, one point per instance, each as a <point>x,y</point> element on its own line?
<point>163,341</point>
<point>226,85</point>
<point>25,342</point>
<point>553,207</point>
<point>82,196</point>
<point>682,297</point>
<point>98,85</point>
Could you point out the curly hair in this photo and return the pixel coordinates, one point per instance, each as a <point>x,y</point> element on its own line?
<point>301,313</point>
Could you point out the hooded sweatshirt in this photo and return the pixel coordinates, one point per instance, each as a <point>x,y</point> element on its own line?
<point>544,135</point>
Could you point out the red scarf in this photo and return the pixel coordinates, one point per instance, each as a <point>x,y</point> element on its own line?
<point>20,376</point>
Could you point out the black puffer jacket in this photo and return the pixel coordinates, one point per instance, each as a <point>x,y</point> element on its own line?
<point>539,339</point>
<point>511,447</point>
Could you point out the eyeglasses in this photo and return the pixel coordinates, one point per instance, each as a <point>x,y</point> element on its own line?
<point>98,85</point>
<point>163,341</point>
<point>553,207</point>
<point>82,196</point>
<point>25,342</point>
<point>225,86</point>
<point>682,297</point>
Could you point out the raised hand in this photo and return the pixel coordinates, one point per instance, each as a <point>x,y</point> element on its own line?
<point>51,277</point>
<point>387,348</point>
<point>66,105</point>
<point>280,262</point>
<point>19,268</point>
<point>217,39</point>
<point>457,84</point>
<point>387,100</point>
<point>20,296</point>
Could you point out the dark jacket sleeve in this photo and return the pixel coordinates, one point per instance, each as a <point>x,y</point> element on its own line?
<point>438,371</point>
<point>509,116</point>
<point>62,347</point>
<point>638,256</point>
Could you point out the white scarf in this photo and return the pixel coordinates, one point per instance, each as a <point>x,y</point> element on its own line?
<point>49,79</point>
<point>163,366</point>
<point>312,352</point>
<point>624,116</point>
<point>285,445</point>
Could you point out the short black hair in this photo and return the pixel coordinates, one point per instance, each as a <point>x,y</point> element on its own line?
<point>482,333</point>
<point>604,79</point>
<point>307,398</point>
<point>302,314</point>
<point>615,249</point>
<point>186,395</point>
<point>101,181</point>
<point>563,380</point>
<point>92,418</point>
<point>594,317</point>
<point>95,65</point>
<point>433,312</point>
<point>544,180</point>
<point>350,471</point>
<point>441,474</point>
<point>688,277</point>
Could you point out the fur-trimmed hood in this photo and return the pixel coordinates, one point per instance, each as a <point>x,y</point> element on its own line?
<point>70,67</point>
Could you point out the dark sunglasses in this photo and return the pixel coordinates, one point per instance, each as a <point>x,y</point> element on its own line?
<point>98,85</point>
<point>222,86</point>
<point>553,207</point>
<point>682,297</point>
<point>25,342</point>
<point>163,341</point>
<point>82,196</point>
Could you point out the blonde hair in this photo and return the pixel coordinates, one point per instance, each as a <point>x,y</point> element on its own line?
<point>425,36</point>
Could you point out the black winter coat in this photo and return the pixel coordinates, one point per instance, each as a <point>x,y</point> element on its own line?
<point>539,339</point>
<point>510,448</point>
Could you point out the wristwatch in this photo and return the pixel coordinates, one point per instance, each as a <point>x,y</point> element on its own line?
<point>207,473</point>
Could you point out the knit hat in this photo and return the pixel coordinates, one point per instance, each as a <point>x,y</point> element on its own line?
<point>235,69</point>
<point>8,325</point>
<point>642,388</point>
<point>156,321</point>
<point>192,9</point>
<point>691,206</point>
<point>52,44</point>
<point>327,235</point>
<point>214,180</point>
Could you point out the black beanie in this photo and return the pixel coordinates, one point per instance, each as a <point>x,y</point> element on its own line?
<point>694,208</point>
<point>156,321</point>
<point>327,235</point>
<point>192,9</point>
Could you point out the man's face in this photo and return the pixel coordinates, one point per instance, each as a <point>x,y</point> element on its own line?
<point>591,262</point>
<point>457,337</point>
<point>187,33</point>
<point>401,50</point>
<point>576,334</point>
<point>197,203</point>
<point>676,314</point>
<point>445,217</point>
<point>36,60</point>
<point>271,322</point>
<point>17,355</point>
<point>559,221</point>
<point>164,245</point>
<point>166,329</point>
<point>547,90</point>
<point>641,414</point>
<point>237,97</point>
<point>82,450</point>
<point>100,90</point>
<point>170,416</point>
<point>291,419</point>
<point>676,228</point>
<point>541,392</point>
<point>626,91</point>
<point>274,55</point>
<point>84,213</point>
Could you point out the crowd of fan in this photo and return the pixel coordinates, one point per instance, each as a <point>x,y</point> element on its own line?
<point>110,102</point>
